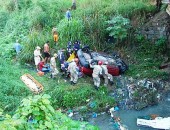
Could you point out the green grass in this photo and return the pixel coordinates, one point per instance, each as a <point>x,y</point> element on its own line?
<point>12,89</point>
<point>145,62</point>
<point>32,23</point>
<point>63,95</point>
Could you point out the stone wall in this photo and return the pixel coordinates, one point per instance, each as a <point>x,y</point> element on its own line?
<point>158,27</point>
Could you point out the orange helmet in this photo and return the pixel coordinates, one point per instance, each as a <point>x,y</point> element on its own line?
<point>100,62</point>
<point>76,60</point>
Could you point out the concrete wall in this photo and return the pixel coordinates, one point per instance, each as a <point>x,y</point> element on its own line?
<point>158,27</point>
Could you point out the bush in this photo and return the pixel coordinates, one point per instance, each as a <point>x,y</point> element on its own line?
<point>118,27</point>
<point>161,46</point>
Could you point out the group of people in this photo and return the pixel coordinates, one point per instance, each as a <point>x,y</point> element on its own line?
<point>73,67</point>
<point>100,69</point>
<point>46,63</point>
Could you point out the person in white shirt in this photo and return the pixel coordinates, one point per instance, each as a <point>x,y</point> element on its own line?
<point>37,56</point>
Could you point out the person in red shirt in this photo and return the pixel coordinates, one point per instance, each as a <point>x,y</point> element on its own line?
<point>42,67</point>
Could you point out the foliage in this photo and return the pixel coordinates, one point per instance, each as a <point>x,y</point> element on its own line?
<point>146,59</point>
<point>118,27</point>
<point>22,18</point>
<point>7,123</point>
<point>70,30</point>
<point>37,113</point>
<point>75,96</point>
<point>31,41</point>
<point>160,45</point>
<point>11,87</point>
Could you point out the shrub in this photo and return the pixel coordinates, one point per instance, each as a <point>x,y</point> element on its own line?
<point>160,45</point>
<point>118,27</point>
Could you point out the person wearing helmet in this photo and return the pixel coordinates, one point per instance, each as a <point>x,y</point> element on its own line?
<point>97,71</point>
<point>100,62</point>
<point>73,70</point>
<point>106,75</point>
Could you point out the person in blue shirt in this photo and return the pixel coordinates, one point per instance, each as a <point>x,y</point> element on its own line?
<point>76,46</point>
<point>68,14</point>
<point>69,49</point>
<point>61,55</point>
<point>17,47</point>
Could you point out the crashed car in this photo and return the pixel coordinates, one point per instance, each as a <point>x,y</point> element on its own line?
<point>115,65</point>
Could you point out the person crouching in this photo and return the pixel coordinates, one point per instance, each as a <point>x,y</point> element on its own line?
<point>73,70</point>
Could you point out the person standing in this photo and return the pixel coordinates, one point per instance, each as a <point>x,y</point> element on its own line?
<point>97,71</point>
<point>53,66</point>
<point>69,49</point>
<point>106,75</point>
<point>73,70</point>
<point>76,46</point>
<point>55,36</point>
<point>73,7</point>
<point>68,14</point>
<point>17,47</point>
<point>61,56</point>
<point>46,52</point>
<point>37,57</point>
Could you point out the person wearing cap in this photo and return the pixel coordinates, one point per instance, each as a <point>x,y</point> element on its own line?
<point>37,57</point>
<point>46,52</point>
<point>53,66</point>
<point>97,71</point>
<point>74,71</point>
<point>106,75</point>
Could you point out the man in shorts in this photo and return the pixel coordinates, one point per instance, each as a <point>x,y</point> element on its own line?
<point>46,52</point>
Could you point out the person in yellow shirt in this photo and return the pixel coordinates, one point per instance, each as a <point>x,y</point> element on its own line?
<point>55,36</point>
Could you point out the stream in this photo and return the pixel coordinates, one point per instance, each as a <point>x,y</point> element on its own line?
<point>128,117</point>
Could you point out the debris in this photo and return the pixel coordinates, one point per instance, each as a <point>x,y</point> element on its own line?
<point>94,115</point>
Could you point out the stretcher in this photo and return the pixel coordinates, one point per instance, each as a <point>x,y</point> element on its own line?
<point>32,83</point>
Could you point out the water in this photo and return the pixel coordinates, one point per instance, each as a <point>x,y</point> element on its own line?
<point>128,117</point>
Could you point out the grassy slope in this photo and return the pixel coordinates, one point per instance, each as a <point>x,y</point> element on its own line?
<point>62,93</point>
<point>12,89</point>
